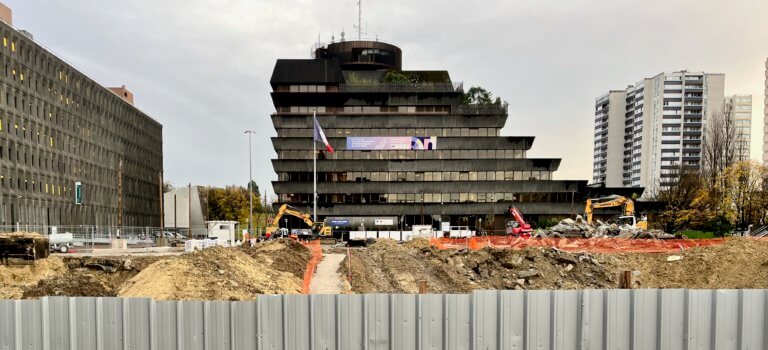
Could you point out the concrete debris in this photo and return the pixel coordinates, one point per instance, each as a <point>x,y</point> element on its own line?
<point>579,228</point>
<point>528,274</point>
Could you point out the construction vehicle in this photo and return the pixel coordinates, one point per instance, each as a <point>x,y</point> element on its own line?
<point>628,210</point>
<point>23,247</point>
<point>319,230</point>
<point>517,226</point>
<point>60,242</point>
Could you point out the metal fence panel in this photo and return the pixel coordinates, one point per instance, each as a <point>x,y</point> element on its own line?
<point>588,319</point>
<point>404,316</point>
<point>325,321</point>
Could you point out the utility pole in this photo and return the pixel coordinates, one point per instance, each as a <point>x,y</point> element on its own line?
<point>250,180</point>
<point>162,212</point>
<point>120,194</point>
<point>189,210</point>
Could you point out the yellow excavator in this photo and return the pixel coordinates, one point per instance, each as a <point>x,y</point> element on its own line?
<point>628,212</point>
<point>318,228</point>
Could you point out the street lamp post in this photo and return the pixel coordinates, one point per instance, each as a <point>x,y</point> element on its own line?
<point>250,180</point>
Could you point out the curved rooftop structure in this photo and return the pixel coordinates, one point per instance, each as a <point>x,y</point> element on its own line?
<point>363,55</point>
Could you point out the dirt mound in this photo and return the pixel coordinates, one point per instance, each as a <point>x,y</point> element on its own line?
<point>14,278</point>
<point>389,267</point>
<point>212,274</point>
<point>283,255</point>
<point>738,263</point>
<point>397,268</point>
<point>70,284</point>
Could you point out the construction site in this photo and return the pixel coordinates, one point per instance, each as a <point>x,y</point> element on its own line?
<point>421,265</point>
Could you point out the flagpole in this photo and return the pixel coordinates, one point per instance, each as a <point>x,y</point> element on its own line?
<point>314,171</point>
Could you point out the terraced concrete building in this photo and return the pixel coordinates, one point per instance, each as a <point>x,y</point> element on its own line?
<point>58,129</point>
<point>405,146</point>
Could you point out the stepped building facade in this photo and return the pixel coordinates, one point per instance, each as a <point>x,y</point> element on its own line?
<point>407,151</point>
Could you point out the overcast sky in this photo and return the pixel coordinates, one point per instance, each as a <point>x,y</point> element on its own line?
<point>202,67</point>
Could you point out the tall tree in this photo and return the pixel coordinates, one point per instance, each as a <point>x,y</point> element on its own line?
<point>741,187</point>
<point>229,203</point>
<point>720,147</point>
<point>682,197</point>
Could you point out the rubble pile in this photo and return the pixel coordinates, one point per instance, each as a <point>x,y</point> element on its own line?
<point>581,229</point>
<point>388,267</point>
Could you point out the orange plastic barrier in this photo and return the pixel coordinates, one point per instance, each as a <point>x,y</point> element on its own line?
<point>316,255</point>
<point>590,245</point>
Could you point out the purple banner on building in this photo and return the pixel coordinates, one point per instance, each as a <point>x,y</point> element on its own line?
<point>392,143</point>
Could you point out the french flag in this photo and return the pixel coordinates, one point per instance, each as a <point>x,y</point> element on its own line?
<point>319,135</point>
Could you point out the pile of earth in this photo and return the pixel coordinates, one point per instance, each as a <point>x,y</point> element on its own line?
<point>14,279</point>
<point>284,255</point>
<point>219,273</point>
<point>739,263</point>
<point>70,284</point>
<point>271,267</point>
<point>389,267</point>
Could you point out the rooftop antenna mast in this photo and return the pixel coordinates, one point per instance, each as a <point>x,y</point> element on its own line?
<point>359,25</point>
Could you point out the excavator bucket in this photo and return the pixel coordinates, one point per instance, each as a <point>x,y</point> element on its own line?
<point>23,247</point>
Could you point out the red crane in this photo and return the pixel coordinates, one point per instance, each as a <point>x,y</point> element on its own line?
<point>518,227</point>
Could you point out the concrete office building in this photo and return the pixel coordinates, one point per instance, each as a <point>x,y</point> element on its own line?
<point>740,107</point>
<point>405,146</point>
<point>644,134</point>
<point>58,128</point>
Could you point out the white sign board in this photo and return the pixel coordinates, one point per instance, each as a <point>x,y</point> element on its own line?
<point>384,222</point>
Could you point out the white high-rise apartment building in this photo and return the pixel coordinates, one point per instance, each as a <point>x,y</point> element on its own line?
<point>644,134</point>
<point>741,112</point>
<point>765,118</point>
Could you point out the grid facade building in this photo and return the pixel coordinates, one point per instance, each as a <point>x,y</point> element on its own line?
<point>57,128</point>
<point>360,92</point>
<point>765,118</point>
<point>740,109</point>
<point>662,129</point>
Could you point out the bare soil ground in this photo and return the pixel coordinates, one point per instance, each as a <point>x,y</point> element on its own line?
<point>384,267</point>
<point>389,267</point>
<point>212,274</point>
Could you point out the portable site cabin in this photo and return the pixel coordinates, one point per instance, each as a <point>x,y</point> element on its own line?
<point>222,230</point>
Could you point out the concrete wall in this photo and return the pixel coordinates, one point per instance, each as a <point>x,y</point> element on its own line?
<point>176,208</point>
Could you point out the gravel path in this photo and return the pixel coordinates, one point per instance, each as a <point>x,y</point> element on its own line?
<point>326,279</point>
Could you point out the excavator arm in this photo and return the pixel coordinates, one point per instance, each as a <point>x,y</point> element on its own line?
<point>609,202</point>
<point>286,209</point>
<point>523,228</point>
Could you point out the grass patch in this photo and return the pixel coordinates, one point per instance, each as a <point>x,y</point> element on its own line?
<point>697,234</point>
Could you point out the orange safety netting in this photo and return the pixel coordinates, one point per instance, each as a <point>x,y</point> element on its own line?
<point>591,245</point>
<point>316,254</point>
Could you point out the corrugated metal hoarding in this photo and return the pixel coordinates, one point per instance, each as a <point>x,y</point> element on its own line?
<point>591,319</point>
